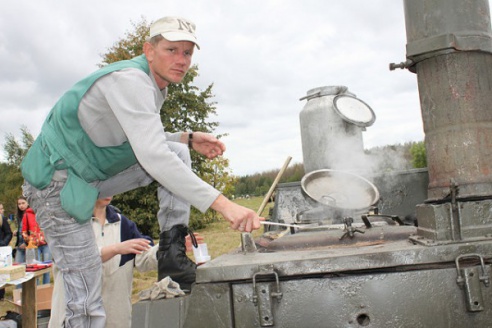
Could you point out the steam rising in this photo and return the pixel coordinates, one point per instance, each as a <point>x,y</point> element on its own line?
<point>333,144</point>
<point>340,189</point>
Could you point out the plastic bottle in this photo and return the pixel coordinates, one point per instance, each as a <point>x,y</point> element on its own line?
<point>31,253</point>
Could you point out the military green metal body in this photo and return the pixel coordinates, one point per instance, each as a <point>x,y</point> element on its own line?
<point>377,279</point>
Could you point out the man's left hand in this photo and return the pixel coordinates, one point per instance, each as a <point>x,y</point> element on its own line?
<point>207,145</point>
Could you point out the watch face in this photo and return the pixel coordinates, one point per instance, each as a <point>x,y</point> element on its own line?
<point>353,110</point>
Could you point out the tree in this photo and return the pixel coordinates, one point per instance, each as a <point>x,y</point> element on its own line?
<point>187,108</point>
<point>217,177</point>
<point>10,188</point>
<point>216,174</point>
<point>10,173</point>
<point>128,47</point>
<point>14,151</point>
<point>419,157</point>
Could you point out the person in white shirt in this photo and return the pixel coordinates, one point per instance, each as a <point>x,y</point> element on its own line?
<point>122,247</point>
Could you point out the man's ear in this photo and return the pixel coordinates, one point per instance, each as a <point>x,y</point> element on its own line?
<point>148,50</point>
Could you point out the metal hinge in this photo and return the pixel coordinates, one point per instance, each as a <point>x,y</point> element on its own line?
<point>470,278</point>
<point>263,295</point>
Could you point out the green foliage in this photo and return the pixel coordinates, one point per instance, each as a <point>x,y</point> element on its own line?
<point>215,175</point>
<point>16,151</point>
<point>215,172</point>
<point>130,46</point>
<point>419,157</point>
<point>10,174</point>
<point>199,220</point>
<point>141,206</point>
<point>295,173</point>
<point>258,184</point>
<point>10,188</point>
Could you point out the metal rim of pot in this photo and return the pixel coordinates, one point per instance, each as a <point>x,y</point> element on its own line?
<point>347,181</point>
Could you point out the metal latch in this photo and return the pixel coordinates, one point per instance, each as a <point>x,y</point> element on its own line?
<point>262,297</point>
<point>470,279</point>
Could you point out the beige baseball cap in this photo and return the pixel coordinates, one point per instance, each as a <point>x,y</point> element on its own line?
<point>174,29</point>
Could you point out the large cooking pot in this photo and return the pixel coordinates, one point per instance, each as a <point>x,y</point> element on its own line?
<point>340,190</point>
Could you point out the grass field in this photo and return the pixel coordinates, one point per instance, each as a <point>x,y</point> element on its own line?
<point>220,239</point>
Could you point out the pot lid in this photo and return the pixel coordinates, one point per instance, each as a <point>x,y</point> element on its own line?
<point>354,110</point>
<point>340,189</point>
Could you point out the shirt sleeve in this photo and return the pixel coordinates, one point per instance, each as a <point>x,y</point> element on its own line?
<point>133,99</point>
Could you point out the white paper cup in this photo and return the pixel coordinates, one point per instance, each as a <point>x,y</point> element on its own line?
<point>201,253</point>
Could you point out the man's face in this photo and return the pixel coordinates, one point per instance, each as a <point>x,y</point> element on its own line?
<point>169,61</point>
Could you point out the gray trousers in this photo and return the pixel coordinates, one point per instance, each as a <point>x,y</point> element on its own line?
<point>73,244</point>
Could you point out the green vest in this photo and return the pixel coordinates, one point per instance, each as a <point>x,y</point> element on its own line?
<point>63,144</point>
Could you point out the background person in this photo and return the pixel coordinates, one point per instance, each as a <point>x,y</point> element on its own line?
<point>5,230</point>
<point>20,244</point>
<point>5,237</point>
<point>122,247</point>
<point>31,233</point>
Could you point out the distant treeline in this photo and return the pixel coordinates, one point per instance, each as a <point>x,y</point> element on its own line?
<point>388,158</point>
<point>258,184</point>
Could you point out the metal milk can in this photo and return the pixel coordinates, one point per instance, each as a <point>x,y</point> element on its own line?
<point>331,123</point>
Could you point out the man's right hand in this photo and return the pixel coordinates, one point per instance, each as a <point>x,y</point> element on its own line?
<point>240,218</point>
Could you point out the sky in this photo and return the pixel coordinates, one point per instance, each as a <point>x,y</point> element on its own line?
<point>262,56</point>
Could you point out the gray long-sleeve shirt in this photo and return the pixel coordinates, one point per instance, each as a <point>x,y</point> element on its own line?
<point>124,106</point>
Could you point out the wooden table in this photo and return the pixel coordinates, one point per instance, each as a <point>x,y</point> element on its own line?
<point>29,308</point>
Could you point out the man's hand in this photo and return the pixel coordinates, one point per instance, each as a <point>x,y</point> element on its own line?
<point>207,145</point>
<point>239,217</point>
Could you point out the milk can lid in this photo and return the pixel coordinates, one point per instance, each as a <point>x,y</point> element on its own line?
<point>354,110</point>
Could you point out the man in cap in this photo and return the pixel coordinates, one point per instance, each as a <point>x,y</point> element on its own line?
<point>105,136</point>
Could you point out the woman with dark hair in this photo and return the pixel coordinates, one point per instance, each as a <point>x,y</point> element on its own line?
<point>32,234</point>
<point>20,244</point>
<point>5,237</point>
